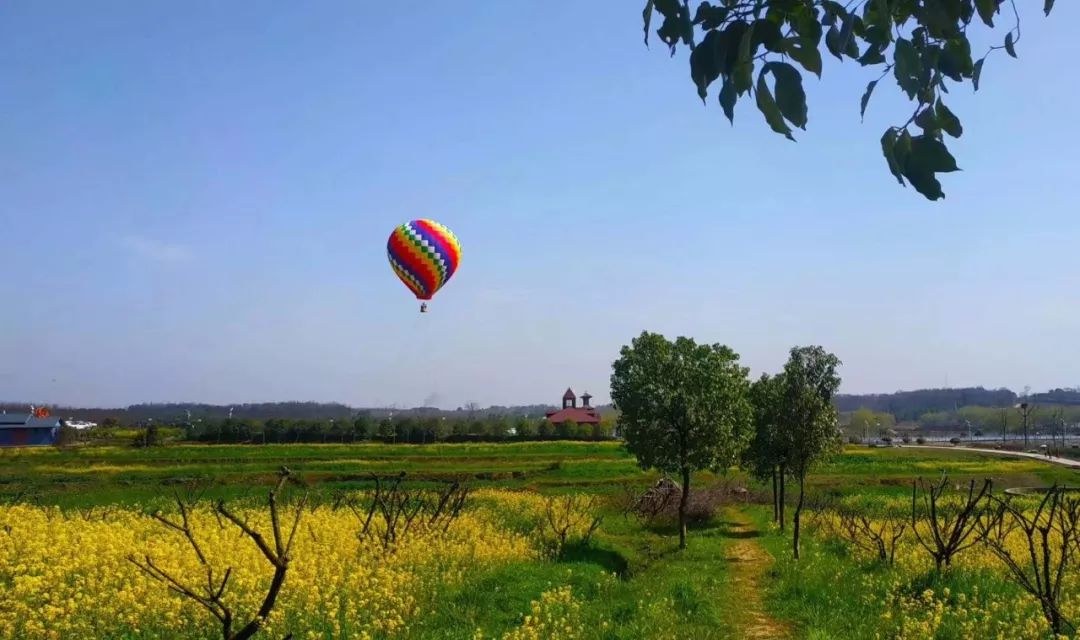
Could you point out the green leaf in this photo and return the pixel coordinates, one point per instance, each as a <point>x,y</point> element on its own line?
<point>927,152</point>
<point>977,72</point>
<point>790,96</point>
<point>833,10</point>
<point>728,96</point>
<point>768,107</point>
<point>807,26</point>
<point>866,98</point>
<point>744,67</point>
<point>710,17</point>
<point>925,183</point>
<point>888,149</point>
<point>878,36</point>
<point>728,47</point>
<point>805,53</point>
<point>871,57</point>
<point>986,9</point>
<point>1009,44</point>
<point>955,60</point>
<point>846,31</point>
<point>767,34</point>
<point>950,124</point>
<point>646,15</point>
<point>705,63</point>
<point>906,67</point>
<point>1048,6</point>
<point>852,48</point>
<point>927,121</point>
<point>940,18</point>
<point>832,42</point>
<point>927,157</point>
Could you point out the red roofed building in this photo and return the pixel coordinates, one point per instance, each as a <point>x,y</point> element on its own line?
<point>570,412</point>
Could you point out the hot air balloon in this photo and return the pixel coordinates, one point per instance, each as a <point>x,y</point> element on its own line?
<point>424,254</point>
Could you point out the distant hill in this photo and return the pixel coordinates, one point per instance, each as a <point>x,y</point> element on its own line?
<point>1057,396</point>
<point>909,405</point>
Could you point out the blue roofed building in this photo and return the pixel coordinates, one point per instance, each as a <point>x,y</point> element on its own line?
<point>27,429</point>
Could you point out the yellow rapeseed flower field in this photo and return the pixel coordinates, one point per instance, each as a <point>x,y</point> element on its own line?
<point>67,575</point>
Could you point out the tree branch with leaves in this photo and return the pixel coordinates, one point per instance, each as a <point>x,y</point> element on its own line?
<point>924,44</point>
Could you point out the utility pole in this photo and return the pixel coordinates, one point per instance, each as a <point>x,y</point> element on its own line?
<point>1004,424</point>
<point>1025,410</point>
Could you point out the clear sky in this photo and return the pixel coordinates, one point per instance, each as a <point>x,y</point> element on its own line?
<point>195,199</point>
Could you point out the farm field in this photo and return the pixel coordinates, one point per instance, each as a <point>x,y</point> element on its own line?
<point>74,523</point>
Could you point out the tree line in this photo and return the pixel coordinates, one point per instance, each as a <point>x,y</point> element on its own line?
<point>393,429</point>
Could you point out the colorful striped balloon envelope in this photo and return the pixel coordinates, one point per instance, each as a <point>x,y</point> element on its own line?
<point>424,254</point>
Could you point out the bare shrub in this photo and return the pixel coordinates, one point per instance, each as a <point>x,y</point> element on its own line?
<point>1051,536</point>
<point>571,518</point>
<point>400,510</point>
<point>946,527</point>
<point>211,595</point>
<point>877,536</point>
<point>661,501</point>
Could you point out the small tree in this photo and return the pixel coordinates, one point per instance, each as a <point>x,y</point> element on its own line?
<point>567,430</point>
<point>684,407</point>
<point>807,417</point>
<point>211,594</point>
<point>66,436</point>
<point>1050,532</point>
<point>545,430</point>
<point>527,428</point>
<point>946,528</point>
<point>765,458</point>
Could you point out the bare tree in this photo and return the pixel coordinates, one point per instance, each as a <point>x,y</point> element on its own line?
<point>877,536</point>
<point>949,527</point>
<point>1052,543</point>
<point>400,509</point>
<point>568,515</point>
<point>211,595</point>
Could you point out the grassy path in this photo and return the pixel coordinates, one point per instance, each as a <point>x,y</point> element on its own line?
<point>748,562</point>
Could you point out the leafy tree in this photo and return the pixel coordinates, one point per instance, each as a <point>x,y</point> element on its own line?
<point>923,43</point>
<point>364,428</point>
<point>684,407</point>
<point>567,429</point>
<point>527,428</point>
<point>545,430</point>
<point>864,420</point>
<point>478,427</point>
<point>602,430</point>
<point>499,427</point>
<point>765,457</point>
<point>807,416</point>
<point>386,430</point>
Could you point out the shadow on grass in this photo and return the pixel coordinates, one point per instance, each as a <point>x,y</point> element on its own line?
<point>609,559</point>
<point>741,534</point>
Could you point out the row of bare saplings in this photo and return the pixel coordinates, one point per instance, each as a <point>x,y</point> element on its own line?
<point>1038,542</point>
<point>385,516</point>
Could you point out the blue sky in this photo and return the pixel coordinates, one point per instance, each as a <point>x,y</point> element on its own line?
<point>195,202</point>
